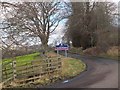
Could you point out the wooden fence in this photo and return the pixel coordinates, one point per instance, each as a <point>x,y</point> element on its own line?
<point>31,71</point>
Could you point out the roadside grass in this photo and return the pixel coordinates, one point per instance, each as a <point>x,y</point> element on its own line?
<point>111,53</point>
<point>70,67</point>
<point>104,55</point>
<point>76,50</point>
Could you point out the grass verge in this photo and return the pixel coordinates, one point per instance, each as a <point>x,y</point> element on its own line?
<point>72,67</point>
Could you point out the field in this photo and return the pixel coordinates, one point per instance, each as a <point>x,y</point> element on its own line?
<point>22,59</point>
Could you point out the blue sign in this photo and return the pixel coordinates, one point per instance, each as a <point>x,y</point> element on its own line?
<point>62,45</point>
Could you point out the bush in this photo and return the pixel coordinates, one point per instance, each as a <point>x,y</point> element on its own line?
<point>113,51</point>
<point>76,50</point>
<point>92,51</point>
<point>107,39</point>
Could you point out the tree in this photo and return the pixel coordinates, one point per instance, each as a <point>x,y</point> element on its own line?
<point>35,19</point>
<point>87,20</point>
<point>78,24</point>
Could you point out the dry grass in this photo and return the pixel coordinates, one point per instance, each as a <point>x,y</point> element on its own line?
<point>76,50</point>
<point>113,51</point>
<point>72,67</point>
<point>51,54</point>
<point>92,51</point>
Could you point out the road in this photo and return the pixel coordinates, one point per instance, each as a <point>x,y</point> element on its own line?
<point>100,73</point>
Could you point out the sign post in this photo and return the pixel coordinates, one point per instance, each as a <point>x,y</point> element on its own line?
<point>57,52</point>
<point>66,53</point>
<point>62,47</point>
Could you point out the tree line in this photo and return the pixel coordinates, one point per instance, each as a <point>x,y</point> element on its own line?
<point>91,24</point>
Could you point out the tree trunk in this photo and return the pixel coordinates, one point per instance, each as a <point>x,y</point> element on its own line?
<point>44,44</point>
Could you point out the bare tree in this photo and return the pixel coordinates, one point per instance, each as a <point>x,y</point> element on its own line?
<point>34,19</point>
<point>86,22</point>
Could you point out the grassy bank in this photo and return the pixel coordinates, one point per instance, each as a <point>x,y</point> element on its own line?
<point>104,55</point>
<point>111,53</point>
<point>70,67</point>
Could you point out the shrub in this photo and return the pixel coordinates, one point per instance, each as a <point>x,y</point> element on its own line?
<point>76,50</point>
<point>113,51</point>
<point>92,51</point>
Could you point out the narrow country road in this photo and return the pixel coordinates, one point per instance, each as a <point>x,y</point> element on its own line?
<point>101,73</point>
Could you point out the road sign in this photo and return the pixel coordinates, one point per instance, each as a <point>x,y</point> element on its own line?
<point>62,47</point>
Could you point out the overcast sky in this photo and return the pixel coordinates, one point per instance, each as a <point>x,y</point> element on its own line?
<point>57,35</point>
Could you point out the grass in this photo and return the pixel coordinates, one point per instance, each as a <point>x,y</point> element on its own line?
<point>22,59</point>
<point>76,50</point>
<point>104,55</point>
<point>70,66</point>
<point>111,53</point>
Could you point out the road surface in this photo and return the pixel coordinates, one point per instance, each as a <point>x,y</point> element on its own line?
<point>100,73</point>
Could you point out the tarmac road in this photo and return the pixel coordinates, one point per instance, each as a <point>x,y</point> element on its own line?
<point>101,73</point>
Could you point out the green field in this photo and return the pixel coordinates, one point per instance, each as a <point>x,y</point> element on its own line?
<point>22,59</point>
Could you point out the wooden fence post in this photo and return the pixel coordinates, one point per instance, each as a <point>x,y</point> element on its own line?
<point>14,69</point>
<point>59,65</point>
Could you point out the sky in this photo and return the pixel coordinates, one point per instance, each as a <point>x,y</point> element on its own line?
<point>58,34</point>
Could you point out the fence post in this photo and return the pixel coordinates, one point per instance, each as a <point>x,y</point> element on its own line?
<point>59,65</point>
<point>14,69</point>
